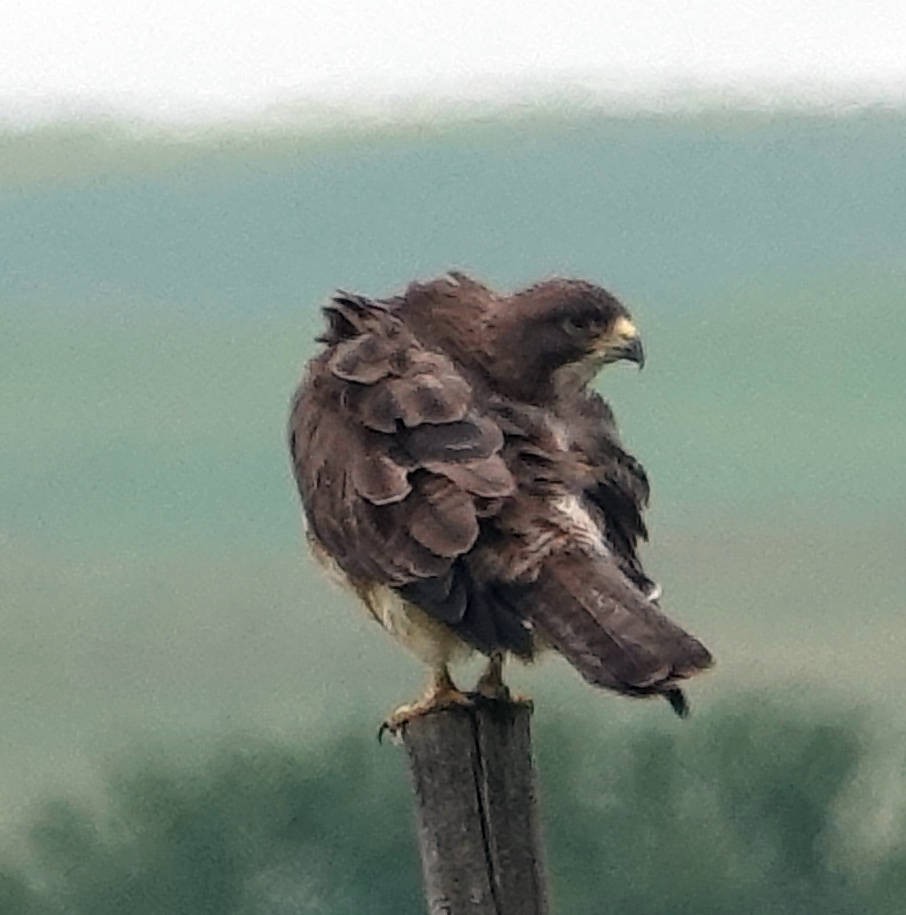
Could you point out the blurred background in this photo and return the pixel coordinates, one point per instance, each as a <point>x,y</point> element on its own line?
<point>187,710</point>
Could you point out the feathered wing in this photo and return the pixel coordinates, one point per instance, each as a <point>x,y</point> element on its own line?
<point>617,485</point>
<point>397,468</point>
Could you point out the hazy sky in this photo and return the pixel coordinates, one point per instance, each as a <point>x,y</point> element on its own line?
<point>178,58</point>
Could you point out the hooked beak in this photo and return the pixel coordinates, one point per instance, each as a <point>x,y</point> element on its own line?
<point>623,342</point>
<point>633,351</point>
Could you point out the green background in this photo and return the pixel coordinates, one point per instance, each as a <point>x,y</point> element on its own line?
<point>187,709</point>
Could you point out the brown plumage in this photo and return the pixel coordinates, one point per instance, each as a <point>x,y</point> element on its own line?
<point>458,472</point>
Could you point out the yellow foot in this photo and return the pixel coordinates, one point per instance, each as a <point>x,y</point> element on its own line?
<point>437,700</point>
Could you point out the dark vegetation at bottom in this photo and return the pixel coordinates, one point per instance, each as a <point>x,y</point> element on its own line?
<point>750,807</point>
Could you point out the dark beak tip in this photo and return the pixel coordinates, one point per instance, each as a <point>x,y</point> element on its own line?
<point>636,353</point>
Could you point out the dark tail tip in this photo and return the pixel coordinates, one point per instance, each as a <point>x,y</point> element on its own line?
<point>678,702</point>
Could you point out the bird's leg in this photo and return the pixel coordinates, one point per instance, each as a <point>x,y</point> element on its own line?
<point>441,694</point>
<point>491,685</point>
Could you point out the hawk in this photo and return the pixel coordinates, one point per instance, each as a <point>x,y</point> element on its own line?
<point>459,474</point>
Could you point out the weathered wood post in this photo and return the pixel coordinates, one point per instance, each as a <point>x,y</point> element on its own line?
<point>477,810</point>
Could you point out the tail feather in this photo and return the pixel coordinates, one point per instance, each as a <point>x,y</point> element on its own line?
<point>610,632</point>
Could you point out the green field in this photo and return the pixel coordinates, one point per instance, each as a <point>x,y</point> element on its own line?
<point>167,648</point>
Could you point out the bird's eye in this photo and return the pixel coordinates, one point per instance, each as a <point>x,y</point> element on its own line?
<point>575,327</point>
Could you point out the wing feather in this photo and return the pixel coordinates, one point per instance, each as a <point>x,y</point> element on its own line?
<point>443,519</point>
<point>474,437</point>
<point>378,478</point>
<point>487,477</point>
<point>396,463</point>
<point>428,398</point>
<point>364,359</point>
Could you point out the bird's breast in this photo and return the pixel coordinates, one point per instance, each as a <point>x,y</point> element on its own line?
<point>428,639</point>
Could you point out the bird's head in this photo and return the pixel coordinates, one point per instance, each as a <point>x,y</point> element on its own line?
<point>558,334</point>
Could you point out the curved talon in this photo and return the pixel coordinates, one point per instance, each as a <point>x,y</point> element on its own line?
<point>442,694</point>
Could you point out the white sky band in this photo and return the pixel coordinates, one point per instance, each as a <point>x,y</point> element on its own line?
<point>195,59</point>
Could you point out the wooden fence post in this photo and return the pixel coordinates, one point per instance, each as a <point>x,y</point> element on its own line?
<point>477,810</point>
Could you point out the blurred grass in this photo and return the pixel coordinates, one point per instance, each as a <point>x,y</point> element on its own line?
<point>761,807</point>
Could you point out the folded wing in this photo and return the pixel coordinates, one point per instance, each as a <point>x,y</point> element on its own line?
<point>398,468</point>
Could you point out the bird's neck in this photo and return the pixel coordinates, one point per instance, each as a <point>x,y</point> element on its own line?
<point>570,381</point>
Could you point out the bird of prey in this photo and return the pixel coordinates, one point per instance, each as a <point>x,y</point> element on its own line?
<point>459,473</point>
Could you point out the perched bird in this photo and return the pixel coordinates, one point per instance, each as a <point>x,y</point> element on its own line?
<point>458,472</point>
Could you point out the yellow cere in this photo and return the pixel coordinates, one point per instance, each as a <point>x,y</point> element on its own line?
<point>625,328</point>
